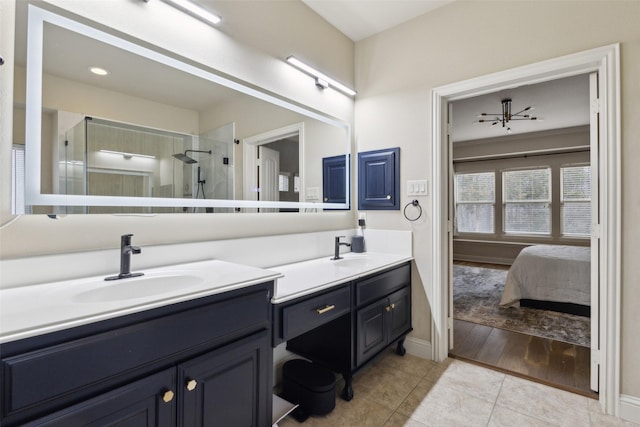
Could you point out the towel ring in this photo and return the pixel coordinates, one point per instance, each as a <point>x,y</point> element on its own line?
<point>415,203</point>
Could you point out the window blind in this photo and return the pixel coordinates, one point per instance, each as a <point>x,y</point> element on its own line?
<point>575,198</point>
<point>475,200</point>
<point>527,201</point>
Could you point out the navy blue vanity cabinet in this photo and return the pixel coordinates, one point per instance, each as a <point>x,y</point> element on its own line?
<point>382,323</point>
<point>379,180</point>
<point>148,402</point>
<point>379,316</point>
<point>188,364</point>
<point>226,387</point>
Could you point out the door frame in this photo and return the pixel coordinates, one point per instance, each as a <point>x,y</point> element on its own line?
<point>606,61</point>
<point>250,153</point>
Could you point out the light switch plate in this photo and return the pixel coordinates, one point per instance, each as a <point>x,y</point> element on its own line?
<point>417,187</point>
<point>313,193</point>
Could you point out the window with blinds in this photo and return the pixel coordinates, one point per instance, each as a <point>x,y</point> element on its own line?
<point>527,201</point>
<point>17,180</point>
<point>475,200</point>
<point>575,201</point>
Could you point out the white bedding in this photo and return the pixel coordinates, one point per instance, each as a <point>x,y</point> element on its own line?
<point>549,273</point>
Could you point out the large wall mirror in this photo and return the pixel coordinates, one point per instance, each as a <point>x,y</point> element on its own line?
<point>150,133</point>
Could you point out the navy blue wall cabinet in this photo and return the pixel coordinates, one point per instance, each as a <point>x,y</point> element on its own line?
<point>334,179</point>
<point>379,180</point>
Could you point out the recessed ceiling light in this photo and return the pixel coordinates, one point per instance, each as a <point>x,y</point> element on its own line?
<point>98,71</point>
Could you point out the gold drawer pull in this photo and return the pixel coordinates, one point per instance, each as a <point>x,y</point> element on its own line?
<point>191,385</point>
<point>167,396</point>
<point>325,309</point>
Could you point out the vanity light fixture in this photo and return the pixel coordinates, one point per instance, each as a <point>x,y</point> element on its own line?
<point>99,71</point>
<point>195,10</point>
<point>128,155</point>
<point>322,80</point>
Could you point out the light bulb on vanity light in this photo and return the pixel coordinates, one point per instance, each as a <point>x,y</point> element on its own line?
<point>196,10</point>
<point>322,80</point>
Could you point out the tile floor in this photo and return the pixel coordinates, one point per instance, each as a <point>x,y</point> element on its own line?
<point>408,391</point>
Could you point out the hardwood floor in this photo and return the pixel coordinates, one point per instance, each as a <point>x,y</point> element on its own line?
<point>554,363</point>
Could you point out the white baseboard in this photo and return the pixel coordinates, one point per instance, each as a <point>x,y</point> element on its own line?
<point>418,347</point>
<point>630,408</point>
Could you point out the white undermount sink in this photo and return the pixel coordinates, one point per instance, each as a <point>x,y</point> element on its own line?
<point>138,287</point>
<point>353,262</point>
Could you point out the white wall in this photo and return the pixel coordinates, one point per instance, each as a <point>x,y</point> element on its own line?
<point>396,70</point>
<point>231,48</point>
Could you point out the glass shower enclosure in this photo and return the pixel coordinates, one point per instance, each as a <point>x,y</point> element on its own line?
<point>107,158</point>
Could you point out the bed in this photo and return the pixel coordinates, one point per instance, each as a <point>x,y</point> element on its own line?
<point>558,275</point>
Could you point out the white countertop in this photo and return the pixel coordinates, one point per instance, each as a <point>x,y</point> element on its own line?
<point>38,309</point>
<point>306,277</point>
<point>33,310</point>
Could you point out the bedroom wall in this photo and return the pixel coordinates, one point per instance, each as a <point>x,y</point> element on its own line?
<point>509,152</point>
<point>396,70</point>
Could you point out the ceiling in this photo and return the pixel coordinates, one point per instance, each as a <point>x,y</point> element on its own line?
<point>558,104</point>
<point>359,19</point>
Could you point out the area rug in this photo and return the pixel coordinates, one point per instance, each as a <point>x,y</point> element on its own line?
<point>476,298</point>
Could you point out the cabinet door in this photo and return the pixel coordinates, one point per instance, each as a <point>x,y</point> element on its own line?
<point>379,180</point>
<point>399,316</point>
<point>372,331</point>
<point>150,402</point>
<point>230,386</point>
<point>334,179</point>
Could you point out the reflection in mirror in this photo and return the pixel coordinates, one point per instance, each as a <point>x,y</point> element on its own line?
<point>154,134</point>
<point>104,158</point>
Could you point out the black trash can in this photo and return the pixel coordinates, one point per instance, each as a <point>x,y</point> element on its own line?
<point>309,385</point>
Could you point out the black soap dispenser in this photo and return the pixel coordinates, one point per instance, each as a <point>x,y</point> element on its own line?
<point>357,242</point>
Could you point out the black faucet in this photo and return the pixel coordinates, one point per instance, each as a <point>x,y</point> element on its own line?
<point>336,248</point>
<point>126,249</point>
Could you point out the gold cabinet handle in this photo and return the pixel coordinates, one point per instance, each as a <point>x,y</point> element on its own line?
<point>390,307</point>
<point>167,396</point>
<point>393,306</point>
<point>325,309</point>
<point>191,385</point>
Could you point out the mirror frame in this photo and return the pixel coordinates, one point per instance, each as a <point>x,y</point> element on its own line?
<point>36,19</point>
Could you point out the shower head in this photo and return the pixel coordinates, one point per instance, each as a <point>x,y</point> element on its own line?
<point>184,158</point>
<point>188,160</point>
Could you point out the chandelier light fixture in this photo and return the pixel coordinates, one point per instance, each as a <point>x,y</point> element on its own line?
<point>506,116</point>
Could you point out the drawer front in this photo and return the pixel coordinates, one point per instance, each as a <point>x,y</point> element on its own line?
<point>311,313</point>
<point>55,372</point>
<point>382,284</point>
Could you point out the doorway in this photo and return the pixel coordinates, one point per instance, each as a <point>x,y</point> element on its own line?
<point>273,167</point>
<point>521,179</point>
<point>605,152</point>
